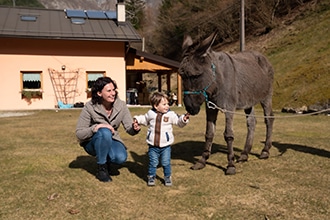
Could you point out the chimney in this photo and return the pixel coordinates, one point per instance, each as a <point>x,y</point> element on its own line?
<point>121,16</point>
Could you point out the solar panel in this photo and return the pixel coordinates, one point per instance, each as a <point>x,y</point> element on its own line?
<point>90,14</point>
<point>70,13</point>
<point>96,14</point>
<point>111,14</point>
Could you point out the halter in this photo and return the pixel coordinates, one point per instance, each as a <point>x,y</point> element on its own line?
<point>203,91</point>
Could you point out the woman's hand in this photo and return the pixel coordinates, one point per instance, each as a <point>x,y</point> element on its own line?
<point>104,126</point>
<point>136,125</point>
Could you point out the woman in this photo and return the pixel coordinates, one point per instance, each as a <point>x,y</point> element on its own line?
<point>98,123</point>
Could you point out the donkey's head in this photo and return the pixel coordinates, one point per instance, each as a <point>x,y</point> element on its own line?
<point>196,70</point>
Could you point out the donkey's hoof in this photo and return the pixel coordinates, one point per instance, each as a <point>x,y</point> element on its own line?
<point>243,158</point>
<point>198,166</point>
<point>264,155</point>
<point>231,171</point>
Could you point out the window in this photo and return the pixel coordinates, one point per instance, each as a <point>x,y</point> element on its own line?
<point>31,85</point>
<point>91,78</point>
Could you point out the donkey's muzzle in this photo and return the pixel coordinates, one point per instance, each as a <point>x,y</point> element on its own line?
<point>191,105</point>
<point>192,110</point>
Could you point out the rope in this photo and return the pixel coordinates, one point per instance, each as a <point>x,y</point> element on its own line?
<point>214,106</point>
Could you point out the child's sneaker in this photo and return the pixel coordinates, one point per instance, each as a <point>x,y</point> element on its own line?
<point>168,181</point>
<point>151,181</point>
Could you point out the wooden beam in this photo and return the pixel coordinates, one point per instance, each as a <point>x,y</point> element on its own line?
<point>159,82</point>
<point>168,82</point>
<point>179,93</point>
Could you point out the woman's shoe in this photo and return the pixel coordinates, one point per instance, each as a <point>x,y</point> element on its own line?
<point>102,173</point>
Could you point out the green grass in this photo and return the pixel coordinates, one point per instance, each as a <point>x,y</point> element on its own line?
<point>300,55</point>
<point>45,174</point>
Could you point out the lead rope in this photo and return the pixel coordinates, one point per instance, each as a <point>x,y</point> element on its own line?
<point>212,105</point>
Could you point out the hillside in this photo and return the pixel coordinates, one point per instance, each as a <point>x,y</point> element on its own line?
<point>299,49</point>
<point>301,57</point>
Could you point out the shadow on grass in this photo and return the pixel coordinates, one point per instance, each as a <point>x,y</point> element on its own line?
<point>283,147</point>
<point>139,166</point>
<point>189,151</point>
<point>85,162</point>
<point>88,163</point>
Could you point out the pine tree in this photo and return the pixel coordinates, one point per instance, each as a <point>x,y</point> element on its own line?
<point>135,12</point>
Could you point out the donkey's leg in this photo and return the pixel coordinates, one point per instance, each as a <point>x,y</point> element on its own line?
<point>229,138</point>
<point>269,121</point>
<point>211,117</point>
<point>251,125</point>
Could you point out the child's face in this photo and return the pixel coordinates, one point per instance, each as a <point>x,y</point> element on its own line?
<point>163,106</point>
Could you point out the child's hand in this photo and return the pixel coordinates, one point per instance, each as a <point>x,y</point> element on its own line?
<point>186,116</point>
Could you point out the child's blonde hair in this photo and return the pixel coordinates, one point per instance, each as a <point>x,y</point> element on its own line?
<point>156,97</point>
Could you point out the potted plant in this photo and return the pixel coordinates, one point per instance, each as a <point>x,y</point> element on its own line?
<point>29,94</point>
<point>89,92</point>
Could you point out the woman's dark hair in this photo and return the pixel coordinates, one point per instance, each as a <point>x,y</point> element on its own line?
<point>98,86</point>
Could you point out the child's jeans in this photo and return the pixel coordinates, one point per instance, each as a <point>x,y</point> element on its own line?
<point>162,155</point>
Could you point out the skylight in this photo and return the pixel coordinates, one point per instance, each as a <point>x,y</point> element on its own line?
<point>77,21</point>
<point>29,18</point>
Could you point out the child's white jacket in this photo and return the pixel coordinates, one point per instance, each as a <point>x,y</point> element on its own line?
<point>160,132</point>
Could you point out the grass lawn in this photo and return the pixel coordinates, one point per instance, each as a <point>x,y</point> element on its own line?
<point>45,174</point>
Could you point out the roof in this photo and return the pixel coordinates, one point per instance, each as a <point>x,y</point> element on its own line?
<point>58,24</point>
<point>144,56</point>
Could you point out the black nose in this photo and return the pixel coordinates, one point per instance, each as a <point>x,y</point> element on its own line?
<point>192,111</point>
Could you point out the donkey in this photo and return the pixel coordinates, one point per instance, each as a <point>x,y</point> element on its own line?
<point>229,82</point>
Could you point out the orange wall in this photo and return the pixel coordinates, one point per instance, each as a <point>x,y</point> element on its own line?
<point>18,55</point>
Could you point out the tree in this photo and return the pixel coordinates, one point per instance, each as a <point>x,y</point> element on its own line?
<point>28,3</point>
<point>135,12</point>
<point>177,18</point>
<point>200,18</point>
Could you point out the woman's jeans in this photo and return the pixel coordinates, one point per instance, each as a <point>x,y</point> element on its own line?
<point>159,153</point>
<point>105,148</point>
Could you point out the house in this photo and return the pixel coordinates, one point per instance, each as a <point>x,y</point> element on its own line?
<point>50,58</point>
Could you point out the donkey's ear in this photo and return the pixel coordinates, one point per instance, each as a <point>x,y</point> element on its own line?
<point>206,44</point>
<point>187,42</point>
